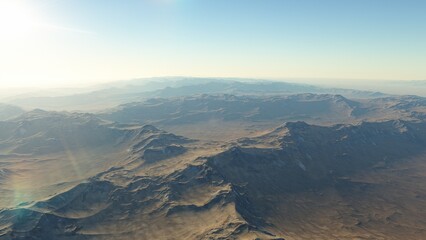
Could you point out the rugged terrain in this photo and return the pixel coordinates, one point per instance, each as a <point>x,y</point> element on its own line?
<point>75,176</point>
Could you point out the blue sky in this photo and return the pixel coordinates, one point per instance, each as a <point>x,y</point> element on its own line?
<point>81,41</point>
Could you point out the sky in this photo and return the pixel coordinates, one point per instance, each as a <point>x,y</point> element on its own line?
<point>84,42</point>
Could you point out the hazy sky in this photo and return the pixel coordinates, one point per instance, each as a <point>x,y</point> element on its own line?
<point>63,42</point>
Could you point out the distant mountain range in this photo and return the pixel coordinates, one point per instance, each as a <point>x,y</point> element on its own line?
<point>139,90</point>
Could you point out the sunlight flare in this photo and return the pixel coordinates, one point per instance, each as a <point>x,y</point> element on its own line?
<point>16,19</point>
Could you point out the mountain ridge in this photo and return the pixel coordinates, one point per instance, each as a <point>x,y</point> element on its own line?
<point>229,189</point>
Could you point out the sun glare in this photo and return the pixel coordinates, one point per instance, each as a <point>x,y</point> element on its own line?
<point>16,19</point>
